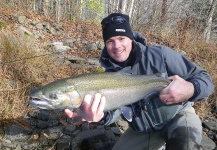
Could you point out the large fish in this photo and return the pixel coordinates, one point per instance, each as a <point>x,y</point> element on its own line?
<point>120,89</point>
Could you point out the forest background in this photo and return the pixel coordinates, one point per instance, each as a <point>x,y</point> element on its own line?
<point>189,27</point>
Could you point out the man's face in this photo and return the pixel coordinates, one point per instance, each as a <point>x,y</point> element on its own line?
<point>119,47</point>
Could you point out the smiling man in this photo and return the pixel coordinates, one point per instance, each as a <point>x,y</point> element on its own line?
<point>154,120</point>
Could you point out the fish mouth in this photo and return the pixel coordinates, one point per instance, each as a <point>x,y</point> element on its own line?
<point>41,103</point>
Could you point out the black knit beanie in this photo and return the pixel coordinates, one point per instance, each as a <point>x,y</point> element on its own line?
<point>116,24</point>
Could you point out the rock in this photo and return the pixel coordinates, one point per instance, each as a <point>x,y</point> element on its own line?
<point>69,42</point>
<point>92,46</point>
<point>207,143</point>
<point>39,26</point>
<point>88,134</point>
<point>59,47</point>
<point>116,130</point>
<point>18,133</point>
<point>50,29</point>
<point>85,127</point>
<point>211,123</point>
<point>110,135</point>
<point>68,130</point>
<point>19,18</point>
<point>76,60</point>
<point>29,146</point>
<point>53,133</point>
<point>42,114</point>
<point>6,143</point>
<point>93,61</point>
<point>100,45</point>
<point>84,42</point>
<point>99,146</point>
<point>123,124</point>
<point>63,144</point>
<point>18,148</point>
<point>42,124</point>
<point>23,31</point>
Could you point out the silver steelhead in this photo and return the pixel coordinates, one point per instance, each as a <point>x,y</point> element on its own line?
<point>120,89</point>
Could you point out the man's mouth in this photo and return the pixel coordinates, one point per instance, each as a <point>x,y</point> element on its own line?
<point>118,52</point>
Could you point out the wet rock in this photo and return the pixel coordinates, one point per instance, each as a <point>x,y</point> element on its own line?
<point>7,143</point>
<point>86,135</point>
<point>110,135</point>
<point>116,130</point>
<point>44,115</point>
<point>29,146</point>
<point>69,129</point>
<point>99,146</point>
<point>53,133</point>
<point>104,145</point>
<point>18,133</point>
<point>36,123</point>
<point>63,144</point>
<point>85,127</point>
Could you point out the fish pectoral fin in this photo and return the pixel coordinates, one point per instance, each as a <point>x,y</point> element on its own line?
<point>127,113</point>
<point>82,114</point>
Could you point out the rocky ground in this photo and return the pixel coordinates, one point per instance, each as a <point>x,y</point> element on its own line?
<point>41,129</point>
<point>49,130</point>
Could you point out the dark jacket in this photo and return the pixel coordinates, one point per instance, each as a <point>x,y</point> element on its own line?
<point>150,60</point>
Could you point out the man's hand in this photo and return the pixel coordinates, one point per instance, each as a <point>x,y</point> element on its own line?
<point>93,108</point>
<point>179,90</point>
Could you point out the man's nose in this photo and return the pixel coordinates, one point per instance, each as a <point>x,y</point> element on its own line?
<point>117,44</point>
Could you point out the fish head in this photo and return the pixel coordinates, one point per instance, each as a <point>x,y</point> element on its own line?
<point>52,97</point>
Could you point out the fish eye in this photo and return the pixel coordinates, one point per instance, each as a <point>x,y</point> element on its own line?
<point>52,96</point>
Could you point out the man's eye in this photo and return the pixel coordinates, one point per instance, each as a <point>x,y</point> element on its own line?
<point>53,96</point>
<point>108,41</point>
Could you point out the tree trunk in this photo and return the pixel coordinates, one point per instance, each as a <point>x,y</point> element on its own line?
<point>46,7</point>
<point>164,9</point>
<point>116,4</point>
<point>131,10</point>
<point>123,6</point>
<point>58,11</point>
<point>209,22</point>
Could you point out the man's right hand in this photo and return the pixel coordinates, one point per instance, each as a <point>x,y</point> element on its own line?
<point>94,108</point>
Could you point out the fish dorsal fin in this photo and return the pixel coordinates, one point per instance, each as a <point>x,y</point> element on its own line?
<point>127,113</point>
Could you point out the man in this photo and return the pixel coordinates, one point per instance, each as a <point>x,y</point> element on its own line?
<point>154,120</point>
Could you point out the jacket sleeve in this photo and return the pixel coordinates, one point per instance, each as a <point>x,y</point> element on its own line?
<point>176,64</point>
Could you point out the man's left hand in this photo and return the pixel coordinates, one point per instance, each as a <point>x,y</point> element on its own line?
<point>179,90</point>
